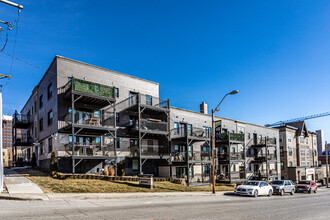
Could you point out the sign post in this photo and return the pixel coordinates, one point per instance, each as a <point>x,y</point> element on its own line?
<point>146,180</point>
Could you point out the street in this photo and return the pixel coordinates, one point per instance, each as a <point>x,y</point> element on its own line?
<point>228,206</point>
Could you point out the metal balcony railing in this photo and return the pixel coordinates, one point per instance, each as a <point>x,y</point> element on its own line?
<point>151,125</point>
<point>91,149</point>
<point>194,132</point>
<point>149,150</point>
<point>271,156</point>
<point>142,99</point>
<point>22,119</point>
<point>99,119</point>
<point>232,156</point>
<point>199,155</point>
<point>90,88</point>
<point>230,137</point>
<point>23,139</point>
<point>260,157</point>
<point>271,141</point>
<point>179,156</point>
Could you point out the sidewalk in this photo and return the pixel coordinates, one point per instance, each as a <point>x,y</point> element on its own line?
<point>19,187</point>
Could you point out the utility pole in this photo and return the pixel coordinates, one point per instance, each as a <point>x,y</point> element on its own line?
<point>1,154</point>
<point>326,162</point>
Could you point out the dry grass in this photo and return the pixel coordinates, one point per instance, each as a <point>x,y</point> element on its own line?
<point>51,185</point>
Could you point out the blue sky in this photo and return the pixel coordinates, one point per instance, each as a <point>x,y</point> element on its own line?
<point>276,53</point>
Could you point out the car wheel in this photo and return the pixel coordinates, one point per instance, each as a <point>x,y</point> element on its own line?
<point>255,194</point>
<point>292,192</point>
<point>309,190</point>
<point>282,192</point>
<point>315,190</point>
<point>270,193</point>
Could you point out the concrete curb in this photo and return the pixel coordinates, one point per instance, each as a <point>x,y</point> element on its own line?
<point>8,197</point>
<point>96,196</point>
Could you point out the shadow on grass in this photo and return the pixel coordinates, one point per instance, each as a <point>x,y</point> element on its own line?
<point>31,172</point>
<point>156,188</point>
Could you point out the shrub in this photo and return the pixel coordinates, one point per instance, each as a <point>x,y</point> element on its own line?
<point>53,164</point>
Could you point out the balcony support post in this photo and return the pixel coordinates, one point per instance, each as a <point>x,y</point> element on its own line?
<point>187,146</point>
<point>140,137</point>
<point>73,132</point>
<point>267,162</point>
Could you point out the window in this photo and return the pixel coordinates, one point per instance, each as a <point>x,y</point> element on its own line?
<point>290,151</point>
<point>35,106</point>
<point>281,138</point>
<point>41,101</point>
<point>148,100</point>
<point>117,92</point>
<point>41,148</point>
<point>232,131</point>
<point>49,91</point>
<point>289,138</point>
<point>206,170</point>
<point>41,124</point>
<point>50,145</point>
<point>135,165</point>
<point>303,163</point>
<point>233,149</point>
<point>307,152</point>
<point>302,140</point>
<point>176,128</point>
<point>249,136</point>
<point>234,167</point>
<point>314,141</point>
<point>306,140</point>
<point>290,164</point>
<point>117,117</point>
<point>50,117</point>
<point>207,132</point>
<point>302,152</point>
<point>260,137</point>
<point>118,143</point>
<point>189,129</point>
<point>282,165</point>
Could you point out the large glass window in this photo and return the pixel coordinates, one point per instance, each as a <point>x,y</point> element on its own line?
<point>41,101</point>
<point>41,124</point>
<point>49,91</point>
<point>50,117</point>
<point>289,138</point>
<point>50,145</point>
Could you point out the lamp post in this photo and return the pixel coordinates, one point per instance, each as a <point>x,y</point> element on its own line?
<point>213,138</point>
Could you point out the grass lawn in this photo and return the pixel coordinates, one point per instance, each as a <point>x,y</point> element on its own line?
<point>51,185</point>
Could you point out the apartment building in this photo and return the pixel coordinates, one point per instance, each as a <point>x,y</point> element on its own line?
<point>94,118</point>
<point>298,151</point>
<point>7,139</point>
<point>320,142</point>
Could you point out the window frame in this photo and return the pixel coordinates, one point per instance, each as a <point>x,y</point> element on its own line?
<point>50,120</point>
<point>49,93</point>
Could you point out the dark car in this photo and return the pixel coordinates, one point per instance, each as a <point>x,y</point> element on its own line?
<point>283,186</point>
<point>306,186</point>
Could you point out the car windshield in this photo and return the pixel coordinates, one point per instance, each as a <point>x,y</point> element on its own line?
<point>276,182</point>
<point>251,183</point>
<point>304,182</point>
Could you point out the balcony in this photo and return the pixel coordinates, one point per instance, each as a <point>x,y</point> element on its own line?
<point>199,156</point>
<point>22,121</point>
<point>149,126</point>
<point>147,101</point>
<point>85,87</point>
<point>22,140</point>
<point>90,149</point>
<point>232,156</point>
<point>97,119</point>
<point>179,156</point>
<point>260,157</point>
<point>230,137</point>
<point>193,133</point>
<point>149,151</point>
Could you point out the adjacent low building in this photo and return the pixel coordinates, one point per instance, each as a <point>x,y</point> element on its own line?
<point>96,119</point>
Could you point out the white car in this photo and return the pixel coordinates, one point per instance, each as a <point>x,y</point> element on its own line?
<point>254,188</point>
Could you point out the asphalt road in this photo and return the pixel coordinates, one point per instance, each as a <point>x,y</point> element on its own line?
<point>299,206</point>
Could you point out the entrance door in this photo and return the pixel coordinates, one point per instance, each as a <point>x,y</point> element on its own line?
<point>242,172</point>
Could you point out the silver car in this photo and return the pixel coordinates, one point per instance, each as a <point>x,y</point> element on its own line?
<point>283,186</point>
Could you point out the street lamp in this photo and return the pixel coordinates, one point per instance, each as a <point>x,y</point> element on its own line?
<point>213,138</point>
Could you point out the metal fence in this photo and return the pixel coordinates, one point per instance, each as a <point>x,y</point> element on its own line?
<point>145,100</point>
<point>148,124</point>
<point>199,155</point>
<point>21,118</point>
<point>149,150</point>
<point>94,149</point>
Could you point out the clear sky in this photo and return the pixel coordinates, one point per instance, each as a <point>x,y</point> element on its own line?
<point>276,53</point>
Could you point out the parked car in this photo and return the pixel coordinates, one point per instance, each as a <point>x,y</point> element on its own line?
<point>306,186</point>
<point>283,186</point>
<point>254,188</point>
